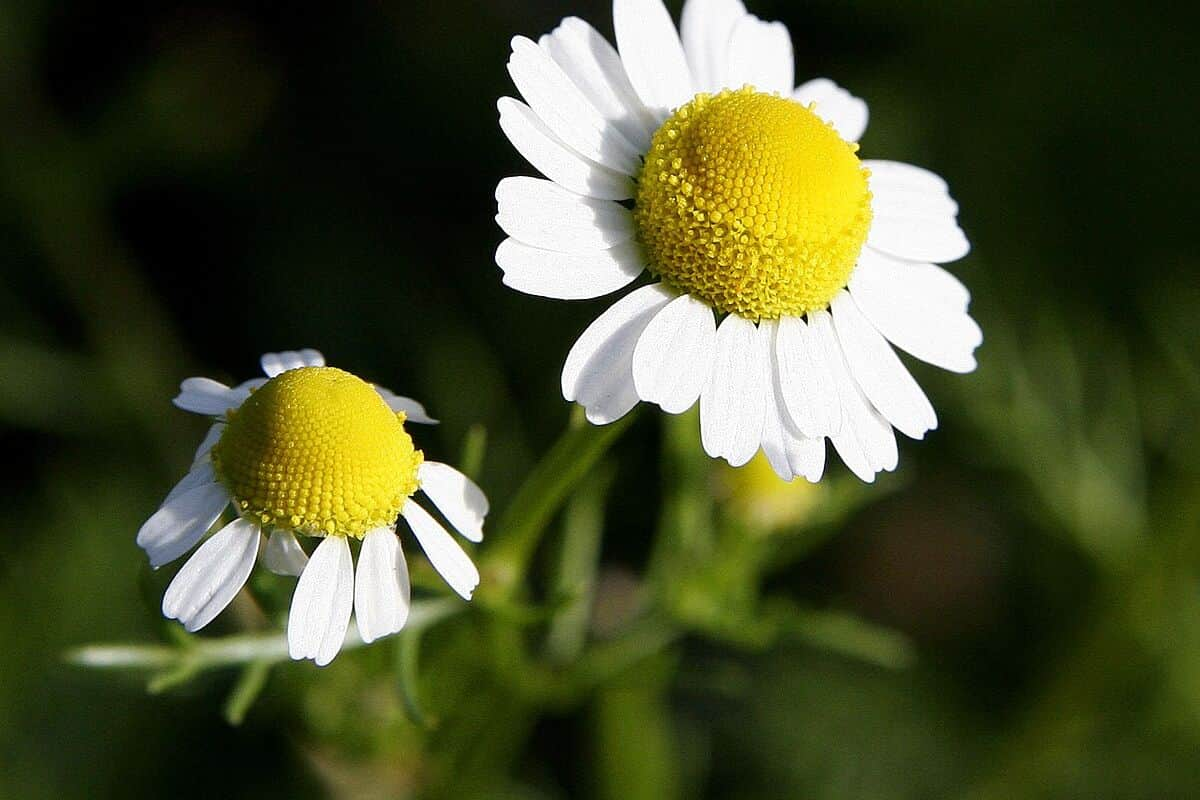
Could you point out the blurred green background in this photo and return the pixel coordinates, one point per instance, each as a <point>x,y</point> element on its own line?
<point>1015,613</point>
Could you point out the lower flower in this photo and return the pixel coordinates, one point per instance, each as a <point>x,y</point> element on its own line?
<point>315,452</point>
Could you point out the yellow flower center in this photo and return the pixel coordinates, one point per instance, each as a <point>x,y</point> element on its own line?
<point>752,203</point>
<point>317,450</point>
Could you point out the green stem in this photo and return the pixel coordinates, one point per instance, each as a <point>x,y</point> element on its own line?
<point>575,579</point>
<point>519,531</point>
<point>200,654</point>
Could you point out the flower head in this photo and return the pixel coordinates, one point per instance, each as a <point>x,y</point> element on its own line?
<point>785,267</point>
<point>313,451</point>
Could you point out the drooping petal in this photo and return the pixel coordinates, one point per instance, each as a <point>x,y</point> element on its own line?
<point>652,54</point>
<point>733,402</point>
<point>381,586</point>
<point>462,503</point>
<point>283,554</point>
<point>845,112</point>
<point>414,411</point>
<point>876,368</point>
<point>447,557</point>
<point>214,574</point>
<point>182,520</point>
<point>674,355</point>
<point>566,276</point>
<point>275,363</point>
<point>321,605</point>
<point>866,442</point>
<point>554,159</point>
<point>789,452</point>
<point>931,325</point>
<point>596,68</point>
<point>805,380</point>
<point>565,110</point>
<point>542,214</point>
<point>760,54</point>
<point>598,373</point>
<point>706,28</point>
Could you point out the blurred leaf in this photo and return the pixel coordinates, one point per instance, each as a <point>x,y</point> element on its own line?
<point>247,689</point>
<point>408,653</point>
<point>473,452</point>
<point>635,753</point>
<point>848,635</point>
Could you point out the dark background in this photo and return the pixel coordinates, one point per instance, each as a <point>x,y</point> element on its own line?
<point>186,185</point>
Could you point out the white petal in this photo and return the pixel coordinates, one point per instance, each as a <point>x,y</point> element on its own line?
<point>907,284</point>
<point>652,54</point>
<point>283,554</point>
<point>462,503</point>
<point>914,214</point>
<point>878,371</point>
<point>275,363</point>
<point>888,200</point>
<point>208,397</point>
<point>447,557</point>
<point>789,452</point>
<point>905,176</point>
<point>210,440</point>
<point>200,474</point>
<point>760,54</point>
<point>556,160</point>
<point>565,276</point>
<point>925,326</point>
<point>541,213</point>
<point>214,574</point>
<point>414,411</point>
<point>674,355</point>
<point>706,28</point>
<point>773,442</point>
<point>595,67</point>
<point>866,441</point>
<point>918,238</point>
<point>257,383</point>
<point>181,521</point>
<point>805,380</point>
<point>321,606</point>
<point>845,112</point>
<point>807,457</point>
<point>733,402</point>
<point>381,587</point>
<point>598,373</point>
<point>557,101</point>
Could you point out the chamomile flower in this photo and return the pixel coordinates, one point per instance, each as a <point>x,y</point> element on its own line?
<point>315,452</point>
<point>785,269</point>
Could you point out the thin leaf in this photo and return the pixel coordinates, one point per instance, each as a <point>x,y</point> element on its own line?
<point>247,689</point>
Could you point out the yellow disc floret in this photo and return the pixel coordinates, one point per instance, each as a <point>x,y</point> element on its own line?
<point>752,203</point>
<point>316,450</point>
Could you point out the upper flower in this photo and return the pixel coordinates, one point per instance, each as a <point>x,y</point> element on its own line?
<point>785,264</point>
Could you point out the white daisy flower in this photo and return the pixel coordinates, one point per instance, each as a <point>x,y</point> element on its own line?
<point>315,451</point>
<point>694,157</point>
